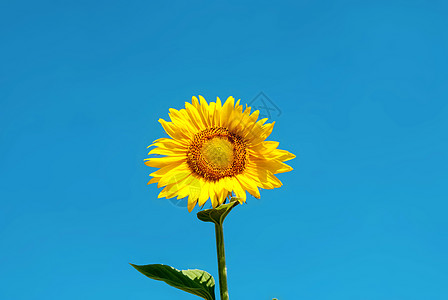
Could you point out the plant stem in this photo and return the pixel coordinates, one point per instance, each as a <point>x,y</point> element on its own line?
<point>222,269</point>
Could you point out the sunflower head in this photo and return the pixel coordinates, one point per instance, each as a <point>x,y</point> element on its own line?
<point>215,151</point>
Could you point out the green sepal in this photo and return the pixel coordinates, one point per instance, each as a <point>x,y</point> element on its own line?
<point>218,214</point>
<point>196,282</point>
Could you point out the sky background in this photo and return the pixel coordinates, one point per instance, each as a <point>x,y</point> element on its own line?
<point>361,93</point>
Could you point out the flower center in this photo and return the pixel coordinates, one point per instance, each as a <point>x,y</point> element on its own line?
<point>218,152</point>
<point>215,153</point>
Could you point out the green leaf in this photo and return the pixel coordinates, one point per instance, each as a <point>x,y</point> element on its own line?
<point>218,214</point>
<point>196,282</point>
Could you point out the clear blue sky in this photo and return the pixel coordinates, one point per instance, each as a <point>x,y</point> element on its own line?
<point>362,93</point>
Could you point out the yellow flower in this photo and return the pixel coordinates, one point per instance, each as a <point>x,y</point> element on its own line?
<point>215,150</point>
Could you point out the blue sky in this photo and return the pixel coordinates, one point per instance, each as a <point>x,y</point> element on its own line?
<point>361,89</point>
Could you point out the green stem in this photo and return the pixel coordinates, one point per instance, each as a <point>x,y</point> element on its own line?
<point>222,269</point>
<point>217,216</point>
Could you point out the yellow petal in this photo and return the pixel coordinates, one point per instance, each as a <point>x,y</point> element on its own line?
<point>274,180</point>
<point>167,143</point>
<point>195,102</point>
<point>195,116</point>
<point>169,152</point>
<point>189,187</point>
<point>182,122</point>
<point>249,185</point>
<point>266,130</point>
<point>172,130</point>
<point>204,111</point>
<point>264,148</point>
<point>154,180</point>
<point>191,203</point>
<point>273,165</point>
<point>226,111</point>
<point>239,192</point>
<point>211,113</point>
<point>174,176</point>
<point>160,162</point>
<point>259,175</point>
<point>217,115</point>
<point>213,196</point>
<point>203,197</point>
<point>173,189</point>
<point>163,170</point>
<point>281,155</point>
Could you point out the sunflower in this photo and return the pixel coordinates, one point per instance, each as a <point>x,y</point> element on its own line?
<point>215,151</point>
